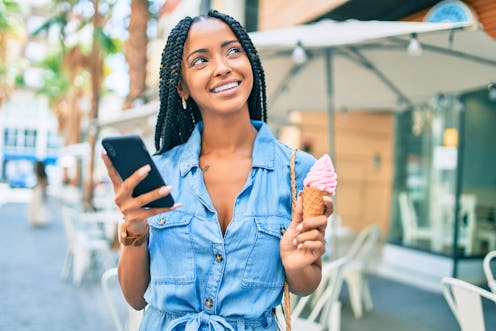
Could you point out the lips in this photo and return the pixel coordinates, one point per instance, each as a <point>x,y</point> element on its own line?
<point>225,87</point>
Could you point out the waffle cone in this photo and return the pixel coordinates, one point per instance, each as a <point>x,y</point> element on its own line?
<point>313,202</point>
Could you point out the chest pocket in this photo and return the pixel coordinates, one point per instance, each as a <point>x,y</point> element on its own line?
<point>171,250</point>
<point>264,267</point>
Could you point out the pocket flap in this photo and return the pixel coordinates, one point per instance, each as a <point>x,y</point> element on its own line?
<point>169,219</point>
<point>273,225</point>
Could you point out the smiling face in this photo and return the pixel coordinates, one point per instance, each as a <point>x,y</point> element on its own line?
<point>216,71</point>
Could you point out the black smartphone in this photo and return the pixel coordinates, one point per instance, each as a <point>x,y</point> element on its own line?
<point>128,153</point>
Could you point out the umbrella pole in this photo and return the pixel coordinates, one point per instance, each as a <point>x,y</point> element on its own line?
<point>330,99</point>
<point>333,239</point>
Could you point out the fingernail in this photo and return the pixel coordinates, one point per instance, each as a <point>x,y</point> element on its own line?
<point>295,242</point>
<point>164,190</point>
<point>300,246</point>
<point>327,198</point>
<point>104,151</point>
<point>144,170</point>
<point>177,205</point>
<point>299,227</point>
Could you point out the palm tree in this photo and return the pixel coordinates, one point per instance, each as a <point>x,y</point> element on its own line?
<point>9,28</point>
<point>84,72</point>
<point>135,50</point>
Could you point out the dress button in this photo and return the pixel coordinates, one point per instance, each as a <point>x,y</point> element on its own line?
<point>283,230</point>
<point>162,221</point>
<point>218,258</point>
<point>209,303</point>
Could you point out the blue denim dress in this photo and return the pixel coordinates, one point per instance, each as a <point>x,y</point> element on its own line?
<point>202,280</point>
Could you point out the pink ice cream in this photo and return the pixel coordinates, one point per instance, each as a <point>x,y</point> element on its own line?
<point>322,175</point>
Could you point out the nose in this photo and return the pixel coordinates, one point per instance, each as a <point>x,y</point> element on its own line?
<point>222,68</point>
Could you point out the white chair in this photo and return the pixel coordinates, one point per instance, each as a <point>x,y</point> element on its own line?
<point>323,306</point>
<point>412,231</point>
<point>467,226</point>
<point>491,282</point>
<point>355,272</point>
<point>84,248</point>
<point>132,320</point>
<point>465,301</point>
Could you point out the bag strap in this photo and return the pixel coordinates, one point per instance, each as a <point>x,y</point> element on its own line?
<point>287,297</point>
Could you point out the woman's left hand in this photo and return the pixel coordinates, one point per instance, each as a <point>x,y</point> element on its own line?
<point>303,242</point>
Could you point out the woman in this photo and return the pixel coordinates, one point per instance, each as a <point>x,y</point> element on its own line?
<point>38,209</point>
<point>219,259</point>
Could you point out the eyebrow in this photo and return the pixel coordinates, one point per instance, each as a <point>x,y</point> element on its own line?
<point>204,50</point>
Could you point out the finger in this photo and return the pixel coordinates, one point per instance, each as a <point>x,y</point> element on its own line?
<point>313,235</point>
<point>142,213</point>
<point>153,195</point>
<point>299,207</point>
<point>123,195</point>
<point>112,173</point>
<point>329,206</point>
<point>315,246</point>
<point>318,222</point>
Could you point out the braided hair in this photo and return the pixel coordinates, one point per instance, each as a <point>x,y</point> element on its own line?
<point>175,124</point>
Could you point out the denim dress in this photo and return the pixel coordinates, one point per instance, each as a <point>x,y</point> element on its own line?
<point>202,279</point>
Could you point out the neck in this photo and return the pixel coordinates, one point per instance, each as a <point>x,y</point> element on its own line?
<point>228,135</point>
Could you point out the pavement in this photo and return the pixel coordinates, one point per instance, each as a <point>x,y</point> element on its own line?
<point>33,296</point>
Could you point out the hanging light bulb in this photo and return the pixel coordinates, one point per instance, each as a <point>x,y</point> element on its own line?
<point>492,91</point>
<point>414,47</point>
<point>299,55</point>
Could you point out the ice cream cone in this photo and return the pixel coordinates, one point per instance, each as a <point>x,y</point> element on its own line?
<point>313,201</point>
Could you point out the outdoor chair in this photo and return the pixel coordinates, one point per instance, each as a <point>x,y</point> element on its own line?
<point>412,231</point>
<point>132,318</point>
<point>491,282</point>
<point>355,272</point>
<point>322,309</point>
<point>85,247</point>
<point>465,301</point>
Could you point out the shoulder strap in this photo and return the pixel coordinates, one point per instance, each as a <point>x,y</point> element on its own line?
<point>287,297</point>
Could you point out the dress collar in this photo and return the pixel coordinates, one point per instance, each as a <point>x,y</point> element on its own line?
<point>263,149</point>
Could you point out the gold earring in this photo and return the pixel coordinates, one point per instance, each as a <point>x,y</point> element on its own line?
<point>183,102</point>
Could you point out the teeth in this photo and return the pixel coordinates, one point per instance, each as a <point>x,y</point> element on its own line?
<point>225,87</point>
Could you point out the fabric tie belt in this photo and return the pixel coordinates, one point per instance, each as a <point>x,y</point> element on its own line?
<point>193,322</point>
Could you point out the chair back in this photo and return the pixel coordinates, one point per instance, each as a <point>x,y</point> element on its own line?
<point>465,301</point>
<point>364,244</point>
<point>408,217</point>
<point>491,282</point>
<point>133,319</point>
<point>328,294</point>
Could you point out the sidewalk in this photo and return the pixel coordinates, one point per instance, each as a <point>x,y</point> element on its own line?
<point>34,297</point>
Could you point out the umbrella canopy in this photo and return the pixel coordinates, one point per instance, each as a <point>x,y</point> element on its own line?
<point>365,65</point>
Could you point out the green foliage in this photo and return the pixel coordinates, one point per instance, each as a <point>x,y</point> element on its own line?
<point>55,80</point>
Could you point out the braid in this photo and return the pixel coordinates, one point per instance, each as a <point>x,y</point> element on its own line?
<point>174,124</point>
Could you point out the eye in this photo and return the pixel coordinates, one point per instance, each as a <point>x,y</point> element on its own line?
<point>234,50</point>
<point>197,61</point>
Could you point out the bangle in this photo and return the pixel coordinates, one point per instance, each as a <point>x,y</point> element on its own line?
<point>135,240</point>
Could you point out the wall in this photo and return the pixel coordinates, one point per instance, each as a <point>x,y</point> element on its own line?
<point>363,157</point>
<point>283,13</point>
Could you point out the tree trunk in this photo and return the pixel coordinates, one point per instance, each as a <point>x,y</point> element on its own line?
<point>96,72</point>
<point>136,48</point>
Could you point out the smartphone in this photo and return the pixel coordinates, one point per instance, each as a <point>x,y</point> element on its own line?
<point>128,153</point>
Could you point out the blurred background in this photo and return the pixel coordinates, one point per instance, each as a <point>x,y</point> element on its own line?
<point>401,94</point>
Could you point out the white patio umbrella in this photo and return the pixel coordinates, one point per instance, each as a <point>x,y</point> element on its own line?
<point>365,65</point>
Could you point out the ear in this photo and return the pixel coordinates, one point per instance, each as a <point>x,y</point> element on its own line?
<point>182,90</point>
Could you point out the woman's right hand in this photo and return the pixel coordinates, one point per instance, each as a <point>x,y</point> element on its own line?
<point>132,207</point>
